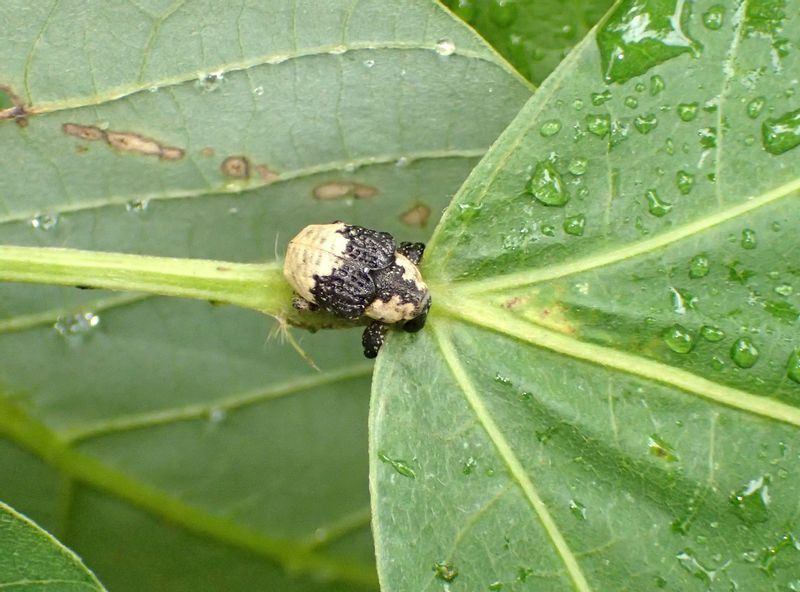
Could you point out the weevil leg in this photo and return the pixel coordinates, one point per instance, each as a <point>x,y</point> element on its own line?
<point>373,337</point>
<point>413,251</point>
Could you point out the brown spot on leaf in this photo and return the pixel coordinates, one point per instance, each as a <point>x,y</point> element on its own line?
<point>208,152</point>
<point>123,141</point>
<point>11,106</point>
<point>236,166</point>
<point>339,190</point>
<point>267,174</point>
<point>514,302</point>
<point>84,132</point>
<point>416,216</point>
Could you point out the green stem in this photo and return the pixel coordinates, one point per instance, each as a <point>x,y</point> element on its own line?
<point>259,286</point>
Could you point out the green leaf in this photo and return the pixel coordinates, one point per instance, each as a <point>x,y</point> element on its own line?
<point>614,406</point>
<point>175,443</point>
<point>534,35</point>
<point>31,559</point>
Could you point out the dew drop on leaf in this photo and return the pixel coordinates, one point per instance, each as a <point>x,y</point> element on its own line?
<point>699,266</point>
<point>598,124</point>
<point>549,230</point>
<point>495,586</point>
<point>679,339</point>
<point>781,134</point>
<point>76,324</point>
<point>658,447</point>
<point>469,465</point>
<point>755,107</point>
<point>550,128</point>
<point>503,13</point>
<point>712,334</point>
<point>398,465</point>
<point>784,290</point>
<point>793,366</point>
<point>744,353</point>
<point>574,225</point>
<point>687,111</point>
<point>577,509</point>
<point>644,124</point>
<point>657,85</point>
<point>708,137</point>
<point>749,240</point>
<point>209,82</point>
<point>631,102</point>
<point>655,205</point>
<point>44,221</point>
<point>641,34</point>
<point>601,97</point>
<point>691,564</point>
<point>445,571</point>
<point>577,166</point>
<point>684,181</point>
<point>547,186</point>
<point>577,104</point>
<point>445,47</point>
<point>714,17</point>
<point>751,502</point>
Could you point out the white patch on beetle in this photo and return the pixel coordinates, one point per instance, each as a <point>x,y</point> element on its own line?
<point>393,311</point>
<point>319,247</point>
<point>411,272</point>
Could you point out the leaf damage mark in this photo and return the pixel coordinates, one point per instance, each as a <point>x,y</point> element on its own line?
<point>237,167</point>
<point>418,215</point>
<point>12,107</point>
<point>343,189</point>
<point>267,174</point>
<point>123,141</point>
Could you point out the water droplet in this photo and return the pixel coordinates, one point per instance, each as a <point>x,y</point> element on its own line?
<point>575,225</point>
<point>793,366</point>
<point>655,205</point>
<point>644,124</point>
<point>714,17</point>
<point>600,98</point>
<point>599,124</point>
<point>659,447</point>
<point>464,9</point>
<point>691,564</point>
<point>712,334</point>
<point>749,239</point>
<point>209,82</point>
<point>640,35</point>
<point>495,586</point>
<point>631,102</point>
<point>76,324</point>
<point>699,266</point>
<point>258,91</point>
<point>640,87</point>
<point>679,339</point>
<point>577,104</point>
<point>657,85</point>
<point>781,134</point>
<point>687,111</point>
<point>577,166</point>
<point>550,128</point>
<point>577,509</point>
<point>444,570</point>
<point>756,106</point>
<point>708,137</point>
<point>744,353</point>
<point>369,63</point>
<point>504,380</point>
<point>137,206</point>
<point>400,466</point>
<point>547,186</point>
<point>684,181</point>
<point>217,415</point>
<point>619,133</point>
<point>682,300</point>
<point>549,230</point>
<point>44,221</point>
<point>784,290</point>
<point>469,465</point>
<point>751,502</point>
<point>503,13</point>
<point>445,47</point>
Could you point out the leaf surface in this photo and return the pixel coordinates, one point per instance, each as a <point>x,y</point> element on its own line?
<point>31,560</point>
<point>215,130</point>
<point>607,393</point>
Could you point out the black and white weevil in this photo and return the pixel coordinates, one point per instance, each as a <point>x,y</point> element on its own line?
<point>353,271</point>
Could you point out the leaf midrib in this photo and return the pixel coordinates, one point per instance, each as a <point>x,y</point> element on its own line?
<point>484,315</point>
